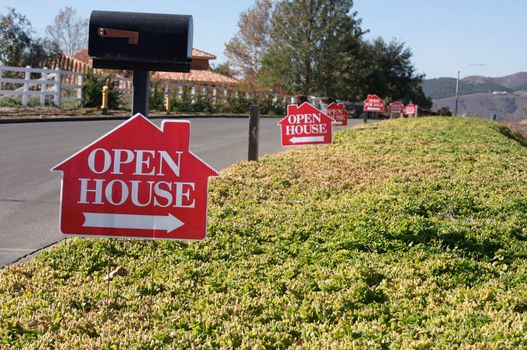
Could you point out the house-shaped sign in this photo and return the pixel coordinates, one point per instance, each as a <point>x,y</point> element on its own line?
<point>373,103</point>
<point>396,107</point>
<point>137,181</point>
<point>411,109</point>
<point>305,125</point>
<point>338,113</point>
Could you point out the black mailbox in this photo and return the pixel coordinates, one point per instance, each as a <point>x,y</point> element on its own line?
<point>140,41</point>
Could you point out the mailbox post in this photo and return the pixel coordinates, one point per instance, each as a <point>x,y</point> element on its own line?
<point>141,42</point>
<point>140,95</point>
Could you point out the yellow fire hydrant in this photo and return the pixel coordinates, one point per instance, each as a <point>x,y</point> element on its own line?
<point>105,93</point>
<point>167,103</point>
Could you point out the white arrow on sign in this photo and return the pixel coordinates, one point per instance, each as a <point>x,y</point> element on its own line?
<point>307,139</point>
<point>139,222</point>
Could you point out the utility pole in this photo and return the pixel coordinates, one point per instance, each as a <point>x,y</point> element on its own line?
<point>457,82</point>
<point>457,92</point>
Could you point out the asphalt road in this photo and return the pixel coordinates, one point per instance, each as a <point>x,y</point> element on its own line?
<point>29,192</point>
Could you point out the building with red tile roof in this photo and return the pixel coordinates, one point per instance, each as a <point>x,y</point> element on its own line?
<point>199,73</point>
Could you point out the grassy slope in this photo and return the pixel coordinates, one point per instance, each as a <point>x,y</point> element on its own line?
<point>407,234</point>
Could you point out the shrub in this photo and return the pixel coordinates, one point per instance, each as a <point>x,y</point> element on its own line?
<point>157,97</point>
<point>92,90</point>
<point>444,111</point>
<point>10,102</point>
<point>183,103</point>
<point>239,102</point>
<point>203,104</point>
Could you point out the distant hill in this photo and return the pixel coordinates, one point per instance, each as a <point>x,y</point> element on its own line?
<point>439,87</point>
<point>508,106</point>
<point>445,87</point>
<point>514,82</point>
<point>505,96</point>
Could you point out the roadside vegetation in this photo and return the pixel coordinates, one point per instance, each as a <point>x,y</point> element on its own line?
<point>409,233</point>
<point>519,126</point>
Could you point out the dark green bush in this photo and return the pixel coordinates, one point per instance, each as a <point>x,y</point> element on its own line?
<point>183,103</point>
<point>239,103</point>
<point>10,102</point>
<point>92,90</point>
<point>157,97</point>
<point>203,104</point>
<point>444,111</point>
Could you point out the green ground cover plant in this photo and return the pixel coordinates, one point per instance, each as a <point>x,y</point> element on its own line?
<point>405,234</point>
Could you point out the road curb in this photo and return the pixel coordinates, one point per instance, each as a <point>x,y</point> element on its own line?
<point>30,255</point>
<point>110,117</point>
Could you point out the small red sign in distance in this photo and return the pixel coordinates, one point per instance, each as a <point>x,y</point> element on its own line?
<point>305,125</point>
<point>396,107</point>
<point>338,113</point>
<point>373,104</point>
<point>137,181</point>
<point>411,109</point>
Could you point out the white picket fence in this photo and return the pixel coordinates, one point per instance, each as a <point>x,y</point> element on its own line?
<point>216,93</point>
<point>63,86</point>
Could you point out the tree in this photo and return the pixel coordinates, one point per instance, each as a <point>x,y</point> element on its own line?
<point>390,72</point>
<point>316,47</point>
<point>356,73</point>
<point>313,42</point>
<point>69,31</point>
<point>247,48</point>
<point>339,51</point>
<point>224,69</point>
<point>19,46</point>
<point>276,71</point>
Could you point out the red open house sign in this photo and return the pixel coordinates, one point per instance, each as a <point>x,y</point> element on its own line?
<point>338,113</point>
<point>305,125</point>
<point>137,181</point>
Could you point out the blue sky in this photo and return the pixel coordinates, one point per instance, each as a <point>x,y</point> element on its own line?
<point>444,35</point>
